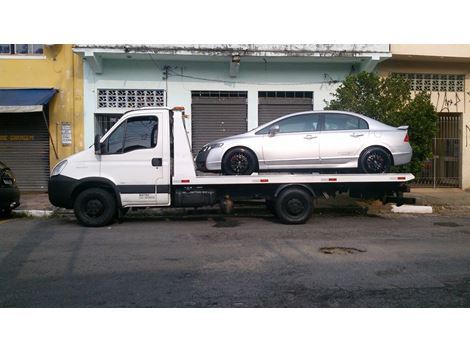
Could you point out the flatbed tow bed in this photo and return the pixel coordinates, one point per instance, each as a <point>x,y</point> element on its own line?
<point>101,186</point>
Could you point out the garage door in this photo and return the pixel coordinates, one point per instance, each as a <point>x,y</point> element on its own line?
<point>24,147</point>
<point>217,114</point>
<point>272,105</point>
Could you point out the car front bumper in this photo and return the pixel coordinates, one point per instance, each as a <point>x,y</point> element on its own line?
<point>9,198</point>
<point>209,160</point>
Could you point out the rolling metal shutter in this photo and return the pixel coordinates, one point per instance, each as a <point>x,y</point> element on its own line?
<point>24,147</point>
<point>217,115</point>
<point>272,105</point>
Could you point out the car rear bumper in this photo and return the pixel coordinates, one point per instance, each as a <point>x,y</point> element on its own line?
<point>9,197</point>
<point>402,158</point>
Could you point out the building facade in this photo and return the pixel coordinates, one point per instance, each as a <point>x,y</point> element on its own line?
<point>226,89</point>
<point>36,133</point>
<point>444,72</point>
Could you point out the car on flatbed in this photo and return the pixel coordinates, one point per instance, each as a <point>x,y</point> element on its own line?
<point>310,140</point>
<point>9,192</point>
<point>145,160</point>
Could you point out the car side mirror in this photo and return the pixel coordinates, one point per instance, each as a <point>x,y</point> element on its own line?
<point>98,144</point>
<point>273,130</point>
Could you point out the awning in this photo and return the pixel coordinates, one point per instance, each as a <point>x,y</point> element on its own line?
<point>25,100</point>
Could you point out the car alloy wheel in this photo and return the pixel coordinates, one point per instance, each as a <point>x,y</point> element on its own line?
<point>375,161</point>
<point>239,163</point>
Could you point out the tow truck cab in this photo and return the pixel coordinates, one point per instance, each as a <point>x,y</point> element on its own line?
<point>145,160</point>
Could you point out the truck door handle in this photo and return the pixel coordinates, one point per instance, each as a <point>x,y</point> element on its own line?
<point>357,134</point>
<point>157,162</point>
<point>309,136</point>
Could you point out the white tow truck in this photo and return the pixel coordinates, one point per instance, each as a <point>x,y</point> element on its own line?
<point>145,160</point>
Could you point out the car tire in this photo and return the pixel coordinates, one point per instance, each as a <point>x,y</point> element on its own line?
<point>95,207</point>
<point>294,206</point>
<point>5,213</point>
<point>239,161</point>
<point>375,161</point>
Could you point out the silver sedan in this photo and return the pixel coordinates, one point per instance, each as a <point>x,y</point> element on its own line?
<point>310,140</point>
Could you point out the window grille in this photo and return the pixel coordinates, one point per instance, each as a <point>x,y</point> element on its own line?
<point>434,82</point>
<point>282,94</point>
<point>22,49</point>
<point>130,98</point>
<point>219,94</point>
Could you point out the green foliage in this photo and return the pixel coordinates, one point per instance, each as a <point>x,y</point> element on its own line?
<point>389,100</point>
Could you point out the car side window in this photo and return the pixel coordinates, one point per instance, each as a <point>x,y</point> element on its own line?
<point>135,133</point>
<point>337,122</point>
<point>296,123</point>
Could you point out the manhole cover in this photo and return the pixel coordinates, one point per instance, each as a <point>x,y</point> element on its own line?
<point>447,224</point>
<point>341,250</point>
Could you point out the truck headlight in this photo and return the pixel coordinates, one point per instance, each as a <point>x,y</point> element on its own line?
<point>59,168</point>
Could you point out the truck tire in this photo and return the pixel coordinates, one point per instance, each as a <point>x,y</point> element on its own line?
<point>95,207</point>
<point>294,206</point>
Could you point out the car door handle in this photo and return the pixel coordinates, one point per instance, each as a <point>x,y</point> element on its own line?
<point>309,136</point>
<point>157,162</point>
<point>357,134</point>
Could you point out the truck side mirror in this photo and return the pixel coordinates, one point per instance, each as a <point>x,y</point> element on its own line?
<point>97,144</point>
<point>273,130</point>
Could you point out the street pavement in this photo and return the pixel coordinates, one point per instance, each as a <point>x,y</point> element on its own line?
<point>206,260</point>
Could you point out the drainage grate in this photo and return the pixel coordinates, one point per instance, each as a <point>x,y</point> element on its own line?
<point>341,250</point>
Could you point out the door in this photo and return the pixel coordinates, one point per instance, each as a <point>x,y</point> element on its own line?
<point>24,148</point>
<point>443,169</point>
<point>295,145</point>
<point>274,104</point>
<point>133,157</point>
<point>217,114</point>
<point>342,138</point>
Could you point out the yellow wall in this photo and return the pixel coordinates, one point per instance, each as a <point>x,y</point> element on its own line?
<point>60,69</point>
<point>443,59</point>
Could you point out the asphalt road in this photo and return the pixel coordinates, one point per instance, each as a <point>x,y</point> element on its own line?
<point>338,260</point>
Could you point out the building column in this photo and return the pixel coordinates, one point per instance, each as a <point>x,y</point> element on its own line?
<point>252,108</point>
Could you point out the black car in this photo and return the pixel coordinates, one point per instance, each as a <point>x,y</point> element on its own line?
<point>9,192</point>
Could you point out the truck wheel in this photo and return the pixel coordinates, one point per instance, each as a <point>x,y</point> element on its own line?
<point>95,207</point>
<point>374,161</point>
<point>239,161</point>
<point>294,206</point>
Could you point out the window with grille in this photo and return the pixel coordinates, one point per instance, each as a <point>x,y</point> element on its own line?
<point>130,98</point>
<point>432,82</point>
<point>219,93</point>
<point>282,94</point>
<point>21,49</point>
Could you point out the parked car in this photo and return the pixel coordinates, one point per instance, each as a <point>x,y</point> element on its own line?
<point>310,140</point>
<point>9,192</point>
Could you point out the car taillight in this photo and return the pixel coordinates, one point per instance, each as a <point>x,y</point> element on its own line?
<point>407,139</point>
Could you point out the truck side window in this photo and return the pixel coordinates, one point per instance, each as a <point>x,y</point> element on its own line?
<point>136,133</point>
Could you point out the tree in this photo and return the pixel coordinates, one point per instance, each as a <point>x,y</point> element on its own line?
<point>389,100</point>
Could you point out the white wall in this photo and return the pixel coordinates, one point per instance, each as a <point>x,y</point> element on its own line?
<point>252,77</point>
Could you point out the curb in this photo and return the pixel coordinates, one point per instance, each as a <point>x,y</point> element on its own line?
<point>412,209</point>
<point>34,213</point>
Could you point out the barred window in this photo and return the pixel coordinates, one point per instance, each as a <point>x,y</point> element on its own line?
<point>434,82</point>
<point>21,49</point>
<point>130,98</point>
